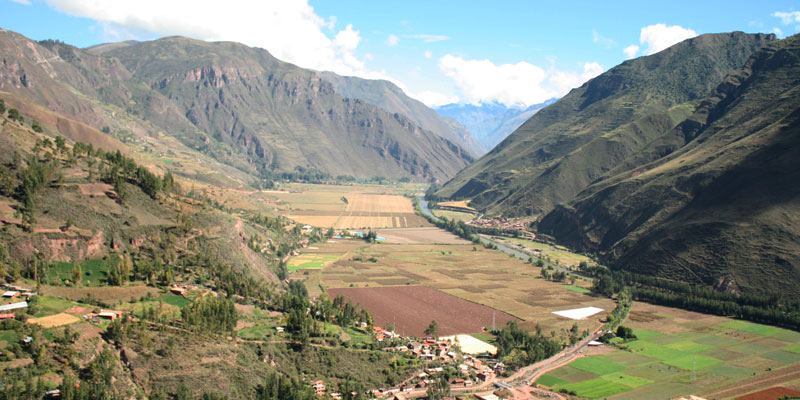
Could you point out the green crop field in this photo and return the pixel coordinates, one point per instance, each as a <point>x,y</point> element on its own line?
<point>598,365</point>
<point>577,289</point>
<point>549,381</point>
<point>672,347</point>
<point>94,272</point>
<point>595,388</point>
<point>174,299</point>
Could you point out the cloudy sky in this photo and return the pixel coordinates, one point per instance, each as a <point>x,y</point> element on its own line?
<point>513,52</point>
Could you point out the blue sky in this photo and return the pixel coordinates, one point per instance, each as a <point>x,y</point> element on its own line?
<point>515,52</point>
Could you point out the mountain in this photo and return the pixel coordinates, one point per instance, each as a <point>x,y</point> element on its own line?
<point>391,98</point>
<point>281,116</point>
<point>714,200</point>
<point>568,145</point>
<point>490,123</point>
<point>247,113</point>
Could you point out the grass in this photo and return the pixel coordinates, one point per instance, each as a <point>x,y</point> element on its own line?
<point>311,261</point>
<point>577,289</point>
<point>795,348</point>
<point>595,388</point>
<point>644,334</point>
<point>8,336</point>
<point>784,357</point>
<point>627,380</point>
<point>486,337</point>
<point>690,361</point>
<point>550,381</point>
<point>51,305</point>
<point>174,299</point>
<point>730,371</point>
<point>256,332</point>
<point>690,347</point>
<point>597,365</point>
<point>95,271</point>
<point>758,329</point>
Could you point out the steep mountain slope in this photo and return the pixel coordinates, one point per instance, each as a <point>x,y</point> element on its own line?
<point>568,145</point>
<point>280,116</point>
<point>227,105</point>
<point>490,123</point>
<point>720,203</point>
<point>391,98</point>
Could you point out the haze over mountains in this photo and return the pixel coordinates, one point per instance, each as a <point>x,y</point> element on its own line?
<point>490,123</point>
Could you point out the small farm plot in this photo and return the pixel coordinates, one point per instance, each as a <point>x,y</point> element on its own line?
<point>672,347</point>
<point>424,235</point>
<point>410,309</point>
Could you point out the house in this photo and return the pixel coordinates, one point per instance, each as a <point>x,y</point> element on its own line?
<point>10,294</point>
<point>177,290</point>
<point>485,375</point>
<point>336,396</point>
<point>318,387</point>
<point>14,306</point>
<point>280,329</point>
<point>110,314</point>
<point>491,396</point>
<point>594,343</point>
<point>7,316</point>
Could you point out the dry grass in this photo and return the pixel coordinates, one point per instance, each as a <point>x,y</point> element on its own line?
<point>425,235</point>
<point>109,295</point>
<point>52,321</point>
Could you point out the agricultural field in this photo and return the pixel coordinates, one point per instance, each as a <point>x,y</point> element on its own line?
<point>729,358</point>
<point>453,215</point>
<point>556,254</point>
<point>462,204</point>
<point>469,272</point>
<point>410,309</point>
<point>425,235</point>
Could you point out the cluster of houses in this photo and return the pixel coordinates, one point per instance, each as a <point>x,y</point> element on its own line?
<point>11,297</point>
<point>504,223</point>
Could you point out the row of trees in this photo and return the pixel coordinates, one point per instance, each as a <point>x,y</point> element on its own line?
<point>210,314</point>
<point>770,309</point>
<point>519,347</point>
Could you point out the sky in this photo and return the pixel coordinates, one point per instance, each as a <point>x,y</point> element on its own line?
<point>518,53</point>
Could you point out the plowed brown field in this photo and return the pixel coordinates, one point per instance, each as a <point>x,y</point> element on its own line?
<point>411,308</point>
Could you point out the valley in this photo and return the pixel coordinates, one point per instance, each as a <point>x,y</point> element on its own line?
<point>187,215</point>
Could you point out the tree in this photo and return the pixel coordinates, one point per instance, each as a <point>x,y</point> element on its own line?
<point>2,106</point>
<point>36,127</point>
<point>77,274</point>
<point>439,389</point>
<point>13,114</point>
<point>433,329</point>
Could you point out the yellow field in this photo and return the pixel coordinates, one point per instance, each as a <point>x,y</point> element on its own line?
<point>454,215</point>
<point>457,204</point>
<point>54,320</point>
<point>487,277</point>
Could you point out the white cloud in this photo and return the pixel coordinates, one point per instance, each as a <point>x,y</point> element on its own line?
<point>512,84</point>
<point>435,99</point>
<point>23,2</point>
<point>631,51</point>
<point>290,30</point>
<point>602,40</point>
<point>392,40</point>
<point>659,36</point>
<point>428,54</point>
<point>787,17</point>
<point>428,38</point>
<point>777,31</point>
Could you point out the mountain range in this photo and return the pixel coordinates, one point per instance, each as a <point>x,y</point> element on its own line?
<point>490,123</point>
<point>680,165</point>
<point>235,105</point>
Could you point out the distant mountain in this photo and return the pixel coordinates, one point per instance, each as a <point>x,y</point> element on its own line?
<point>714,199</point>
<point>391,98</point>
<point>570,144</point>
<point>230,103</point>
<point>490,123</point>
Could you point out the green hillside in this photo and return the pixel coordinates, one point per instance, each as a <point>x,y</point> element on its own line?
<point>714,200</point>
<point>570,144</point>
